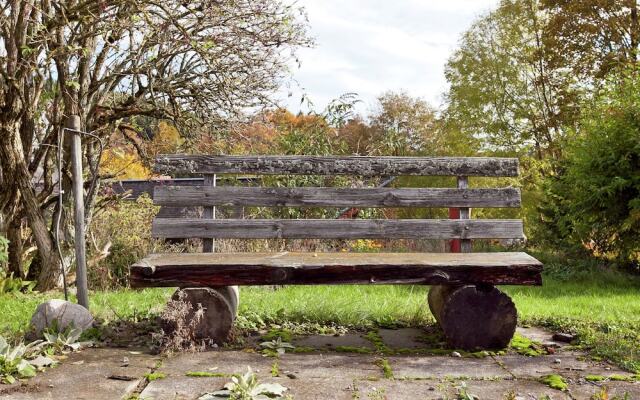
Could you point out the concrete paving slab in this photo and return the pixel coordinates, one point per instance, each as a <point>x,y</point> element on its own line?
<point>442,367</point>
<point>520,389</point>
<point>313,365</point>
<point>401,389</point>
<point>185,388</point>
<point>572,364</point>
<point>584,390</point>
<point>405,338</point>
<point>175,387</point>
<point>338,388</point>
<point>217,361</point>
<point>326,342</point>
<point>540,335</point>
<point>324,374</point>
<point>85,375</point>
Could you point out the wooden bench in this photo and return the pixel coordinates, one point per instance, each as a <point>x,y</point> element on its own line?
<point>463,298</point>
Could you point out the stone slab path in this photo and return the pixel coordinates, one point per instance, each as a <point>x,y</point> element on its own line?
<point>328,372</point>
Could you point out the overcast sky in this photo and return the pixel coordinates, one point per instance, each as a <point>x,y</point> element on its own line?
<point>370,46</point>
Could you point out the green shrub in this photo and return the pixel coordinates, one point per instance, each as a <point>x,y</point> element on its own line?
<point>9,284</point>
<point>4,250</point>
<point>594,203</point>
<point>121,235</point>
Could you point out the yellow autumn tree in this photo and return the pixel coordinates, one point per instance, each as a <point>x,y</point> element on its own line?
<point>123,163</point>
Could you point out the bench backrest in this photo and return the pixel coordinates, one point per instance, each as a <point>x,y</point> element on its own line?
<point>462,197</point>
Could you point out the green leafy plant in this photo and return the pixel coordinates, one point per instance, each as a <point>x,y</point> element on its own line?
<point>9,284</point>
<point>61,341</point>
<point>275,369</point>
<point>275,347</point>
<point>463,393</point>
<point>13,362</point>
<point>247,387</point>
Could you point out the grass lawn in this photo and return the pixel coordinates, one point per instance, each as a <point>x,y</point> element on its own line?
<point>603,308</point>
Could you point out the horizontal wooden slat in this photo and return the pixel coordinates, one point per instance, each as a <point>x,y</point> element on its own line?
<point>336,165</point>
<point>338,229</point>
<point>200,269</point>
<point>177,196</point>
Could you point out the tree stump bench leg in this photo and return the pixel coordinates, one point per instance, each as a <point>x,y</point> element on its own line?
<point>219,307</point>
<point>473,317</point>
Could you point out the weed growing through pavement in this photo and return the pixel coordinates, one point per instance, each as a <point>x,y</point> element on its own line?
<point>246,387</point>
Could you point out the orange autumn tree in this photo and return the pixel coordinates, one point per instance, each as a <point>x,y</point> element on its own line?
<point>275,132</point>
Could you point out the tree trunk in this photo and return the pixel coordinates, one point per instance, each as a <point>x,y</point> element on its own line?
<point>16,249</point>
<point>15,170</point>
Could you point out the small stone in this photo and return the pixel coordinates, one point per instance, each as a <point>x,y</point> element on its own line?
<point>456,354</point>
<point>563,337</point>
<point>42,361</point>
<point>557,361</point>
<point>60,314</point>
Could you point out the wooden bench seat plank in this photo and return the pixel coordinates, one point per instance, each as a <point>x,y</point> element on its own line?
<point>337,229</point>
<point>185,196</point>
<point>203,270</point>
<point>173,164</point>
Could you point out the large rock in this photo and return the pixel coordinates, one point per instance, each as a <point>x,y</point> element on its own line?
<point>60,314</point>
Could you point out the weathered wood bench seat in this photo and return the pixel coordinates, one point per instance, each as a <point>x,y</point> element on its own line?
<point>463,298</point>
<point>285,268</point>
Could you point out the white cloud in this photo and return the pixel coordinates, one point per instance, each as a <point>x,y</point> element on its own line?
<point>372,46</point>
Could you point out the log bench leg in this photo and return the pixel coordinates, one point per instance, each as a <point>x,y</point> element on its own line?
<point>473,317</point>
<point>220,308</point>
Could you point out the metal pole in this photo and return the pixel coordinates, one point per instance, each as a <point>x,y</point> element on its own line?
<point>73,123</point>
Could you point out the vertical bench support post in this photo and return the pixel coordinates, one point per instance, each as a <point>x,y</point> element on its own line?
<point>208,245</point>
<point>465,213</point>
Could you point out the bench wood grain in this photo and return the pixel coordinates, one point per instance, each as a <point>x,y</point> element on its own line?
<point>181,196</point>
<point>203,270</point>
<point>337,229</point>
